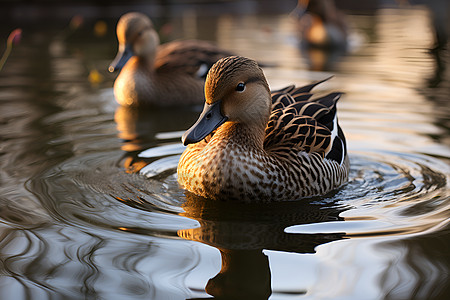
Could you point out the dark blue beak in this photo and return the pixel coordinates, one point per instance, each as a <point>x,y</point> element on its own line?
<point>121,59</point>
<point>210,119</point>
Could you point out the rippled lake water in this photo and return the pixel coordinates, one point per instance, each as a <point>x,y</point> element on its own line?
<point>83,215</point>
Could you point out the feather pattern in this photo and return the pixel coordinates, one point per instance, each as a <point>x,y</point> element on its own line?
<point>304,123</point>
<point>191,57</point>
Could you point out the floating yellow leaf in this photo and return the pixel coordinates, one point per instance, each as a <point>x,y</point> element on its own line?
<point>95,77</point>
<point>100,28</point>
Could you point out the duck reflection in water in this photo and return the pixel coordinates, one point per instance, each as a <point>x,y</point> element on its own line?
<point>242,231</point>
<point>323,33</point>
<point>439,13</point>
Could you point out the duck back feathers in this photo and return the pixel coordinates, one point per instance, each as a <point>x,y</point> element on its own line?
<point>310,125</point>
<point>192,57</point>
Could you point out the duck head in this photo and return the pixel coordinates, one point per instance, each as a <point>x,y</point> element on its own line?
<point>137,37</point>
<point>236,90</point>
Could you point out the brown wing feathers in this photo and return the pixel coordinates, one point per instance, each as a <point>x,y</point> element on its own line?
<point>188,56</point>
<point>299,122</point>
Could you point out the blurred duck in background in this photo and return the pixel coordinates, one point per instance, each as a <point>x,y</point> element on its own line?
<point>321,24</point>
<point>159,75</point>
<point>323,33</point>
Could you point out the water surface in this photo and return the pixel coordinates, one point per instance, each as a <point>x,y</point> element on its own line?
<point>83,215</point>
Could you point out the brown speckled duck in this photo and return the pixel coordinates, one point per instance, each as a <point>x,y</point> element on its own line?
<point>253,146</point>
<point>159,75</point>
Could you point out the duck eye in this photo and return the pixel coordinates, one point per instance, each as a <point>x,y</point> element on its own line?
<point>240,87</point>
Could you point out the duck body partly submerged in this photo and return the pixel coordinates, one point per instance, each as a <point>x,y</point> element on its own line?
<point>159,75</point>
<point>262,147</point>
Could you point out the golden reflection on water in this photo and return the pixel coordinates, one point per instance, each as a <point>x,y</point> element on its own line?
<point>241,232</point>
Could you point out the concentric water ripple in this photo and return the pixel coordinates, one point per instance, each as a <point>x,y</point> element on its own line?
<point>390,193</point>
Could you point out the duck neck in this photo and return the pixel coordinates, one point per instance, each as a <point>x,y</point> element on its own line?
<point>242,134</point>
<point>148,63</point>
